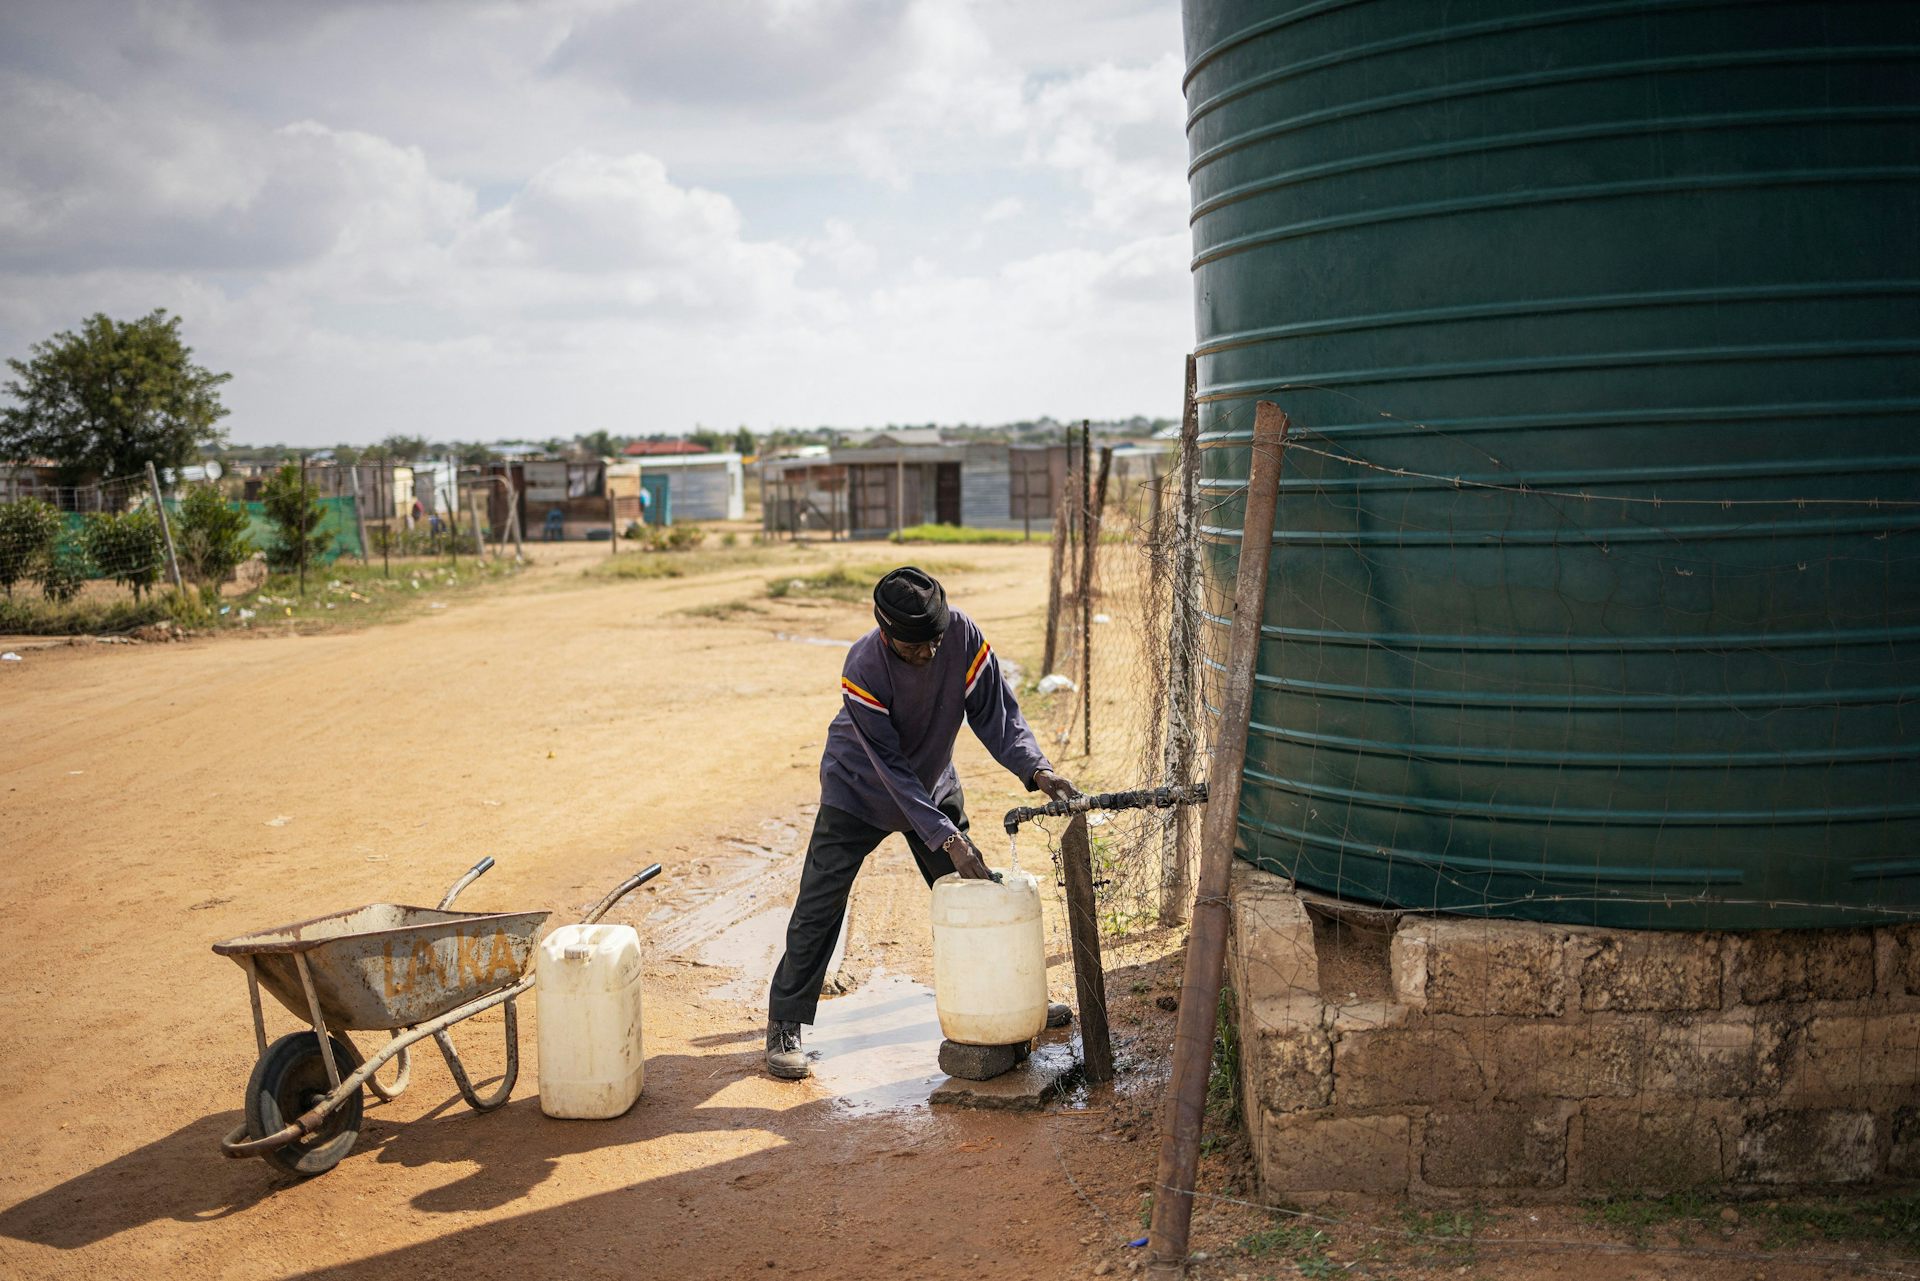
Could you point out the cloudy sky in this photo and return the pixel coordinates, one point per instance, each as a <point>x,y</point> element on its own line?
<point>491,220</point>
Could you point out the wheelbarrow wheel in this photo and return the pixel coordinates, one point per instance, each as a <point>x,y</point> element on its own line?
<point>289,1079</point>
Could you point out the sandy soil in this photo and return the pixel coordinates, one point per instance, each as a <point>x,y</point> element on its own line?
<point>159,798</point>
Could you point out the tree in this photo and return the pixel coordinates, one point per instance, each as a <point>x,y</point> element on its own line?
<point>112,398</point>
<point>29,529</point>
<point>212,537</point>
<point>599,444</point>
<point>404,448</point>
<point>743,441</point>
<point>707,439</point>
<point>125,546</point>
<point>296,517</point>
<point>347,455</point>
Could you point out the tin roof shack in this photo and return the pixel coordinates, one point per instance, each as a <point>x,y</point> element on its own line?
<point>698,486</point>
<point>876,489</point>
<point>803,494</point>
<point>570,500</point>
<point>35,478</point>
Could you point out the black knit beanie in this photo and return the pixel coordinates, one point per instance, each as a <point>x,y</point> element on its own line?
<point>910,606</point>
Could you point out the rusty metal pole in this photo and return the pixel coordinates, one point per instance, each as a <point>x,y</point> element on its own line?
<point>305,509</point>
<point>1186,1103</point>
<point>1183,643</point>
<point>166,530</point>
<point>359,511</point>
<point>1089,972</point>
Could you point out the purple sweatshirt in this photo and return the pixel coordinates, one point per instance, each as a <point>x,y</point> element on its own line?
<point>889,752</point>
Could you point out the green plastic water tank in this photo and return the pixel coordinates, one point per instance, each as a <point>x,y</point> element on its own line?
<point>1594,594</point>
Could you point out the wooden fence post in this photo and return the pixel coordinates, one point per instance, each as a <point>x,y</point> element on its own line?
<point>1089,972</point>
<point>1186,1103</point>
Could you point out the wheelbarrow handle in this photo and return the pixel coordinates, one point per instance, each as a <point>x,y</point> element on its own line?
<point>473,874</point>
<point>620,891</point>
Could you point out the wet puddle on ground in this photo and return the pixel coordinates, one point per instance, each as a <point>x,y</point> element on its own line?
<point>876,1049</point>
<point>878,1046</point>
<point>753,947</point>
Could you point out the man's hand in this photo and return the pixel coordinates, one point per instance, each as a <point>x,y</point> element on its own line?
<point>1056,787</point>
<point>966,859</point>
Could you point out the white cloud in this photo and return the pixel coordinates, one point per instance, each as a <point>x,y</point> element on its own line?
<point>482,220</point>
<point>1120,133</point>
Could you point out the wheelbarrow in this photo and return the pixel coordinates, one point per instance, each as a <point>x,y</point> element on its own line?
<point>384,967</point>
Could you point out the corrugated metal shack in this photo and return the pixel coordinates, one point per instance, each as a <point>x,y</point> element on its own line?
<point>875,489</point>
<point>699,486</point>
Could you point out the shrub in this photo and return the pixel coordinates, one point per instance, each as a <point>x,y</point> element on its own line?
<point>666,538</point>
<point>212,536</point>
<point>296,515</point>
<point>125,546</point>
<point>29,529</point>
<point>64,572</point>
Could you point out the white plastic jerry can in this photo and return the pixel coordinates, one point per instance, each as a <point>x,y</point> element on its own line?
<point>592,1065</point>
<point>989,959</point>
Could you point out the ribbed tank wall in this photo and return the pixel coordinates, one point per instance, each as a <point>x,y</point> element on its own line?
<point>1594,592</point>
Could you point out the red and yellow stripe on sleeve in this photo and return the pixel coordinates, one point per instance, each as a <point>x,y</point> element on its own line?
<point>978,665</point>
<point>861,696</point>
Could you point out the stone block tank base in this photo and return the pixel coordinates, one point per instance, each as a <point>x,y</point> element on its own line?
<point>1402,1054</point>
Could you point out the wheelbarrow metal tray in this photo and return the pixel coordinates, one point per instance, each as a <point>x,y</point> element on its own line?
<point>386,965</point>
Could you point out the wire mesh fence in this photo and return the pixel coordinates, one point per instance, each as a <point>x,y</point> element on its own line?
<point>60,542</point>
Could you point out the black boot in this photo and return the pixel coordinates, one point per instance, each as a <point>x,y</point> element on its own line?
<point>785,1058</point>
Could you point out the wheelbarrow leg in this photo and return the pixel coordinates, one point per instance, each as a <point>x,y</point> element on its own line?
<point>388,1093</point>
<point>319,1021</point>
<point>444,1040</point>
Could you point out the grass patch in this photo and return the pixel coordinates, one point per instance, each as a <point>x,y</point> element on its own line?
<point>1451,1231</point>
<point>351,594</point>
<point>27,616</point>
<point>967,534</point>
<point>1286,1238</point>
<point>721,611</point>
<point>1223,1074</point>
<point>342,593</point>
<point>1893,1221</point>
<point>1637,1216</point>
<point>682,564</point>
<point>1113,531</point>
<point>850,583</point>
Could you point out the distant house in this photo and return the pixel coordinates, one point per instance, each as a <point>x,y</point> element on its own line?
<point>695,486</point>
<point>35,478</point>
<point>580,499</point>
<point>661,448</point>
<point>874,488</point>
<point>894,438</point>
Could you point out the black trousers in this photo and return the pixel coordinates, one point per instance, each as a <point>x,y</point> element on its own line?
<point>839,845</point>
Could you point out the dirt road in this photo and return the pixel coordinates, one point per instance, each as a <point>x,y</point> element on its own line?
<point>159,798</point>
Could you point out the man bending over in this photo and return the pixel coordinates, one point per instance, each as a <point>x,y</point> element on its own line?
<point>888,767</point>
